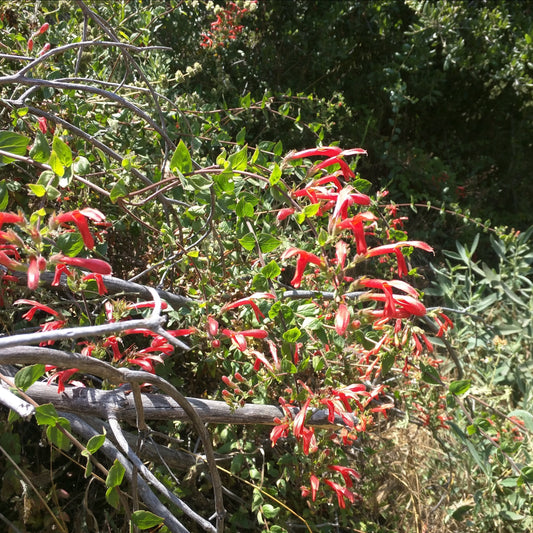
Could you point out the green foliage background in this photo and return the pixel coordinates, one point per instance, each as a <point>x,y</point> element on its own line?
<point>439,93</point>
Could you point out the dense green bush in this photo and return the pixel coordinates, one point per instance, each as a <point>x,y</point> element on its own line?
<point>239,87</point>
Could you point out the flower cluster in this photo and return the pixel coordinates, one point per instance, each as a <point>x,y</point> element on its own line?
<point>226,27</point>
<point>385,307</point>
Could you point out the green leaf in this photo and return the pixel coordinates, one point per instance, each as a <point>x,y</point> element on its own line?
<point>292,335</point>
<point>70,244</point>
<point>278,149</point>
<point>119,190</point>
<point>246,101</point>
<point>271,271</point>
<point>40,151</point>
<point>145,519</point>
<point>248,241</point>
<point>197,182</point>
<point>94,444</point>
<point>28,375</point>
<point>115,475</point>
<point>82,165</point>
<point>270,511</point>
<point>57,437</point>
<point>56,165</point>
<point>275,175</point>
<point>387,361</point>
<point>430,374</point>
<point>46,414</point>
<point>63,151</point>
<point>460,386</point>
<point>239,160</point>
<point>4,195</point>
<point>241,137</point>
<point>267,242</point>
<point>244,209</point>
<point>112,496</point>
<point>181,160</point>
<point>361,185</point>
<point>311,210</point>
<point>14,143</point>
<point>224,182</point>
<point>37,189</point>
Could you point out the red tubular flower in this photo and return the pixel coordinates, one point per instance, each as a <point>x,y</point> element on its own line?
<point>342,492</point>
<point>395,283</point>
<point>303,259</point>
<point>36,306</point>
<point>342,319</point>
<point>328,151</point>
<point>30,45</point>
<point>347,474</point>
<point>99,282</point>
<point>315,482</point>
<point>356,225</point>
<point>261,359</point>
<point>45,49</point>
<point>9,263</point>
<point>94,265</point>
<point>212,326</point>
<point>396,249</point>
<point>309,441</point>
<point>43,28</point>
<point>341,251</point>
<point>60,270</point>
<point>238,339</point>
<point>144,363</point>
<point>33,273</point>
<point>284,213</point>
<point>43,125</point>
<point>78,217</point>
<point>63,377</point>
<point>10,218</point>
<point>51,326</point>
<point>249,301</point>
<point>112,341</point>
<point>281,430</point>
<point>299,419</point>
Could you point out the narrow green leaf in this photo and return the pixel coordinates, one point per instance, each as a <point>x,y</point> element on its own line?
<point>246,101</point>
<point>37,189</point>
<point>275,175</point>
<point>55,163</point>
<point>241,137</point>
<point>112,496</point>
<point>145,519</point>
<point>115,475</point>
<point>4,195</point>
<point>28,375</point>
<point>181,160</point>
<point>46,414</point>
<point>14,143</point>
<point>40,151</point>
<point>63,151</point>
<point>460,386</point>
<point>95,443</point>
